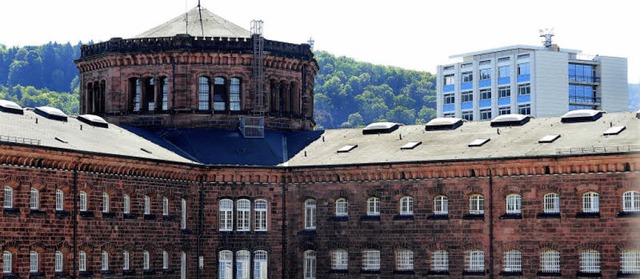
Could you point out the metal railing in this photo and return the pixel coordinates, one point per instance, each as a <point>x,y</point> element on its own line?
<point>19,140</point>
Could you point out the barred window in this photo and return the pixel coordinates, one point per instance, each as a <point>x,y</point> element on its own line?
<point>631,201</point>
<point>226,215</point>
<point>147,205</point>
<point>83,201</point>
<point>630,262</point>
<point>404,260</point>
<point>339,259</point>
<point>165,259</point>
<point>590,261</point>
<point>590,202</point>
<point>7,262</point>
<point>59,200</point>
<point>59,261</point>
<point>165,206</point>
<point>146,260</point>
<point>406,206</point>
<point>342,207</point>
<point>440,260</point>
<point>34,203</point>
<point>551,203</point>
<point>514,204</point>
<point>550,261</point>
<point>243,210</point>
<point>440,205</point>
<point>203,93</point>
<point>513,261</point>
<point>33,261</point>
<point>474,261</point>
<point>126,204</point>
<point>310,214</point>
<point>8,197</point>
<point>260,208</point>
<point>234,95</point>
<point>183,265</point>
<point>309,264</point>
<point>476,204</point>
<point>183,214</point>
<point>82,261</point>
<point>225,264</point>
<point>105,202</point>
<point>373,206</point>
<point>105,260</point>
<point>125,260</point>
<point>371,260</point>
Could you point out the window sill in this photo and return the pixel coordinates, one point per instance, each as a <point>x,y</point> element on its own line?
<point>86,274</point>
<point>62,213</point>
<point>588,215</point>
<point>628,214</point>
<point>106,272</point>
<point>438,273</point>
<point>403,218</point>
<point>339,218</point>
<point>511,216</point>
<point>370,218</point>
<point>628,275</point>
<point>548,216</point>
<point>587,274</point>
<point>339,271</point>
<point>473,217</point>
<point>408,272</point>
<point>167,218</point>
<point>365,271</point>
<point>439,217</point>
<point>129,216</point>
<point>186,231</point>
<point>86,214</point>
<point>108,215</point>
<point>62,275</point>
<point>128,272</point>
<point>11,212</point>
<point>307,232</point>
<point>149,217</point>
<point>37,213</point>
<point>148,272</point>
<point>549,274</point>
<point>511,273</point>
<point>167,271</point>
<point>36,274</point>
<point>473,273</point>
<point>10,276</point>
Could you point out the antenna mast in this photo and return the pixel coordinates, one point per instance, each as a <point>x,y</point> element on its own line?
<point>547,34</point>
<point>200,14</point>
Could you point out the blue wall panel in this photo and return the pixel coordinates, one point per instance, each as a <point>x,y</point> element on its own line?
<point>448,107</point>
<point>524,98</point>
<point>448,88</point>
<point>485,103</point>
<point>466,105</point>
<point>504,101</point>
<point>484,83</point>
<point>504,80</point>
<point>466,85</point>
<point>524,78</point>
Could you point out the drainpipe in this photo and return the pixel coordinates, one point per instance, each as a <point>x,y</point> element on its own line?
<point>284,226</point>
<point>200,222</point>
<point>75,221</point>
<point>490,224</point>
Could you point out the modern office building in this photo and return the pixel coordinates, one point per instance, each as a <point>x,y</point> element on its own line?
<point>531,80</point>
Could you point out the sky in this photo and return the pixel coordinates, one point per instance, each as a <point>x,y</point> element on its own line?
<point>411,34</point>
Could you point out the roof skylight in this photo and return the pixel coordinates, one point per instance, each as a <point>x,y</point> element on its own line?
<point>51,113</point>
<point>411,145</point>
<point>347,148</point>
<point>510,120</point>
<point>614,130</point>
<point>548,138</point>
<point>93,120</point>
<point>479,142</point>
<point>10,107</point>
<point>443,123</point>
<point>380,128</point>
<point>581,115</point>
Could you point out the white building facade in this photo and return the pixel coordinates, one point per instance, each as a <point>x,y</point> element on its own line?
<point>538,81</point>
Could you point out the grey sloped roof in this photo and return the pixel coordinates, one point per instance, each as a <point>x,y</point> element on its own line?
<point>511,142</point>
<point>114,140</point>
<point>213,25</point>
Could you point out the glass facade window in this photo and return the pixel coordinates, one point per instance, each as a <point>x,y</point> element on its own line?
<point>467,115</point>
<point>630,262</point>
<point>524,109</point>
<point>105,260</point>
<point>165,93</point>
<point>59,200</point>
<point>504,71</point>
<point>466,96</point>
<point>582,73</point>
<point>342,207</point>
<point>125,260</point>
<point>105,202</point>
<point>583,94</point>
<point>590,261</point>
<point>33,261</point>
<point>7,262</point>
<point>183,214</point>
<point>504,91</point>
<point>485,94</point>
<point>243,211</point>
<point>165,206</point>
<point>485,74</point>
<point>243,263</point>
<point>126,207</point>
<point>146,260</point>
<point>467,77</point>
<point>504,110</point>
<point>165,260</point>
<point>631,201</point>
<point>449,99</point>
<point>485,114</point>
<point>260,268</point>
<point>524,89</point>
<point>147,205</point>
<point>59,262</point>
<point>137,95</point>
<point>8,197</point>
<point>82,261</point>
<point>219,94</point>
<point>83,201</point>
<point>225,215</point>
<point>225,264</point>
<point>34,201</point>
<point>448,115</point>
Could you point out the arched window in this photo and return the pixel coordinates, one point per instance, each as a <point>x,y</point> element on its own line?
<point>440,205</point>
<point>165,206</point>
<point>165,260</point>
<point>146,260</point>
<point>183,214</point>
<point>243,261</point>
<point>219,94</point>
<point>512,261</point>
<point>59,262</point>
<point>8,197</point>
<point>260,268</point>
<point>371,260</point>
<point>203,93</point>
<point>342,207</point>
<point>260,209</point>
<point>590,202</point>
<point>105,202</point>
<point>234,95</point>
<point>406,206</point>
<point>147,205</point>
<point>309,264</point>
<point>514,204</point>
<point>373,206</point>
<point>83,201</point>
<point>125,260</point>
<point>225,264</point>
<point>105,260</point>
<point>7,262</point>
<point>82,261</point>
<point>33,261</point>
<point>440,261</point>
<point>339,259</point>
<point>629,262</point>
<point>310,214</point>
<point>34,202</point>
<point>183,265</point>
<point>550,261</point>
<point>225,215</point>
<point>476,204</point>
<point>404,260</point>
<point>474,261</point>
<point>59,200</point>
<point>551,203</point>
<point>590,261</point>
<point>631,201</point>
<point>126,207</point>
<point>243,208</point>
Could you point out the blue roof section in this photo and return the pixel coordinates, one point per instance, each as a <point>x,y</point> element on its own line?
<point>229,147</point>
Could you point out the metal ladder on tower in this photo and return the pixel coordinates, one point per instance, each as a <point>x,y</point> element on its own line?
<point>253,126</point>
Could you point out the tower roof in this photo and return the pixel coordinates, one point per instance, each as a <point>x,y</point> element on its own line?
<point>213,25</point>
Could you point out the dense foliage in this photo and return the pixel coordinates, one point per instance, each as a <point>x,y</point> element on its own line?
<point>350,93</point>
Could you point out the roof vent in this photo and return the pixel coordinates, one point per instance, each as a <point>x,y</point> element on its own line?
<point>614,130</point>
<point>443,123</point>
<point>479,142</point>
<point>411,145</point>
<point>51,113</point>
<point>380,128</point>
<point>510,120</point>
<point>549,138</point>
<point>347,148</point>
<point>93,120</point>
<point>581,115</point>
<point>10,107</point>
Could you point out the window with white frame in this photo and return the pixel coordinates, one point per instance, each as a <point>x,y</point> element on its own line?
<point>204,93</point>
<point>474,261</point>
<point>504,71</point>
<point>59,262</point>
<point>631,201</point>
<point>467,77</point>
<point>524,109</point>
<point>406,206</point>
<point>371,260</point>
<point>82,261</point>
<point>485,94</point>
<point>125,260</point>
<point>441,205</point>
<point>512,261</point>
<point>243,262</point>
<point>467,115</point>
<point>504,91</point>
<point>34,201</point>
<point>165,260</point>
<point>260,209</point>
<point>59,200</point>
<point>243,209</point>
<point>7,260</point>
<point>590,202</point>
<point>33,261</point>
<point>373,206</point>
<point>105,202</point>
<point>147,205</point>
<point>404,260</point>
<point>226,215</point>
<point>146,260</point>
<point>183,265</point>
<point>225,264</point>
<point>342,207</point>
<point>339,259</point>
<point>260,268</point>
<point>466,96</point>
<point>551,203</point>
<point>630,262</point>
<point>485,73</point>
<point>83,201</point>
<point>165,206</point>
<point>310,214</point>
<point>183,214</point>
<point>8,197</point>
<point>309,268</point>
<point>524,89</point>
<point>449,98</point>
<point>476,204</point>
<point>514,204</point>
<point>126,207</point>
<point>550,261</point>
<point>590,261</point>
<point>504,110</point>
<point>485,114</point>
<point>105,260</point>
<point>440,261</point>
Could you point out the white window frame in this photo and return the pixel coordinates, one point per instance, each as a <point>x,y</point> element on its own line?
<point>261,212</point>
<point>59,200</point>
<point>8,197</point>
<point>551,203</point>
<point>441,205</point>
<point>147,205</point>
<point>404,260</point>
<point>225,215</point>
<point>550,261</point>
<point>476,204</point>
<point>590,261</point>
<point>82,261</point>
<point>309,264</point>
<point>165,206</point>
<point>225,264</point>
<point>243,211</point>
<point>126,204</point>
<point>105,202</point>
<point>310,214</point>
<point>7,261</point>
<point>165,260</point>
<point>342,207</point>
<point>406,206</point>
<point>33,261</point>
<point>440,261</point>
<point>339,259</point>
<point>631,201</point>
<point>183,214</point>
<point>125,260</point>
<point>243,264</point>
<point>373,206</point>
<point>590,202</point>
<point>34,201</point>
<point>105,261</point>
<point>474,261</point>
<point>512,261</point>
<point>59,262</point>
<point>83,201</point>
<point>260,264</point>
<point>183,265</point>
<point>146,260</point>
<point>371,260</point>
<point>630,262</point>
<point>514,204</point>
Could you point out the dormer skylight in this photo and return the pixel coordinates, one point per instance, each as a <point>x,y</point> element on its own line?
<point>347,148</point>
<point>510,120</point>
<point>380,128</point>
<point>479,142</point>
<point>10,107</point>
<point>443,123</point>
<point>581,115</point>
<point>93,120</point>
<point>614,130</point>
<point>411,145</point>
<point>549,138</point>
<point>51,113</point>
